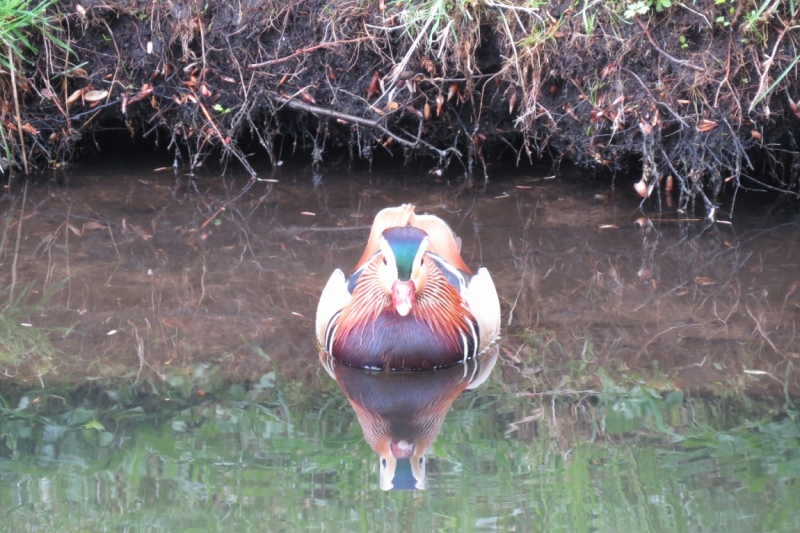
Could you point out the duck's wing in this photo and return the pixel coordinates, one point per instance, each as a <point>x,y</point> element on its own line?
<point>390,217</point>
<point>334,297</point>
<point>482,366</point>
<point>481,297</point>
<point>441,239</point>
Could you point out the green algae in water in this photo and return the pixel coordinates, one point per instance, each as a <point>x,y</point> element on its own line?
<point>247,460</point>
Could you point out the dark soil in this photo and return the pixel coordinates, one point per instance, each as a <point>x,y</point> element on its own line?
<point>692,101</point>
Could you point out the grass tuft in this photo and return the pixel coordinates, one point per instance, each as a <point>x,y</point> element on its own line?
<point>19,19</point>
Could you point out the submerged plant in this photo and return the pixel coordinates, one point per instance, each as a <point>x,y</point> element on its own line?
<point>21,341</point>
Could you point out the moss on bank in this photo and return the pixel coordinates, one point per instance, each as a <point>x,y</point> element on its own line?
<point>697,97</point>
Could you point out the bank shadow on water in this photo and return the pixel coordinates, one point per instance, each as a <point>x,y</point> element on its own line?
<point>268,455</point>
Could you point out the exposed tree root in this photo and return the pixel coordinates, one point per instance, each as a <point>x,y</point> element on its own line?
<point>701,95</point>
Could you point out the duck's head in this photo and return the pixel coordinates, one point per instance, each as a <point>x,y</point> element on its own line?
<point>402,464</point>
<point>401,265</point>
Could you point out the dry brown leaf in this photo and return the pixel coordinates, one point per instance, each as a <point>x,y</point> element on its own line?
<point>373,85</point>
<point>792,289</point>
<point>654,122</point>
<point>141,232</point>
<point>91,225</point>
<point>452,91</point>
<point>413,110</point>
<point>568,110</point>
<point>74,96</point>
<point>702,280</point>
<point>706,125</point>
<point>75,230</point>
<point>641,188</point>
<point>95,95</point>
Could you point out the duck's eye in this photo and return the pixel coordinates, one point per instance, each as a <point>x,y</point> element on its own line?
<point>385,262</point>
<point>383,462</point>
<point>421,259</point>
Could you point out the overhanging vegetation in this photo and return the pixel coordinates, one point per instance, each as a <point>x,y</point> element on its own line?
<point>696,97</point>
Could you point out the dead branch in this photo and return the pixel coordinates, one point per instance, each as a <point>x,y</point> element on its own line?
<point>662,104</point>
<point>762,333</point>
<point>321,111</point>
<point>304,51</point>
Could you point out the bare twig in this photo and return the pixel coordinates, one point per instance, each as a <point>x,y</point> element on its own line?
<point>727,74</point>
<point>761,331</point>
<point>663,53</point>
<point>660,333</point>
<point>13,70</point>
<point>16,247</point>
<point>304,51</point>
<point>662,104</point>
<point>687,8</point>
<point>681,181</point>
<point>765,67</point>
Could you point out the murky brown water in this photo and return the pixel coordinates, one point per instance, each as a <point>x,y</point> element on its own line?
<point>614,321</point>
<point>164,272</point>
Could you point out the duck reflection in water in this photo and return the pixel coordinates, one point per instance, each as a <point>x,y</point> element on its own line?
<point>401,412</point>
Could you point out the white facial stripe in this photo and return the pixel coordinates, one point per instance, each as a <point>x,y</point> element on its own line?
<point>387,468</point>
<point>423,247</point>
<point>388,255</point>
<point>386,250</point>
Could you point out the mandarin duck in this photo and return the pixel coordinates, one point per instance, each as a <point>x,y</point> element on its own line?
<point>401,413</point>
<point>411,303</point>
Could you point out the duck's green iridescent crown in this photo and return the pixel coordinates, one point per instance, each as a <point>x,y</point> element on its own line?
<point>404,242</point>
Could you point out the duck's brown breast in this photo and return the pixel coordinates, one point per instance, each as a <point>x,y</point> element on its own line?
<point>401,343</point>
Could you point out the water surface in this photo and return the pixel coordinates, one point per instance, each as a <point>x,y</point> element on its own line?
<point>166,376</point>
